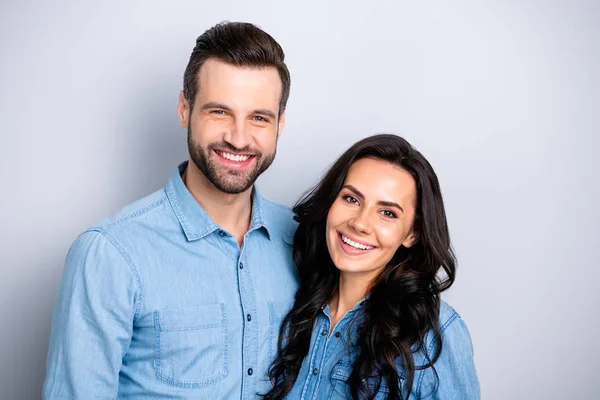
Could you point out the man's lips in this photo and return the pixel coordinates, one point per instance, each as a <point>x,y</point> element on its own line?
<point>233,159</point>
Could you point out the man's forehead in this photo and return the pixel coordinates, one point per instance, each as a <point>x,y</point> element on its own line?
<point>215,68</point>
<point>226,83</point>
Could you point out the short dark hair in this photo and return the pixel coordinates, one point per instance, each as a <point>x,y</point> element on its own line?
<point>241,44</point>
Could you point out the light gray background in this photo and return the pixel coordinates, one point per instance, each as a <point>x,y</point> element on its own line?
<point>501,96</point>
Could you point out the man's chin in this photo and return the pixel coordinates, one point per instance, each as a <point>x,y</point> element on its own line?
<point>232,186</point>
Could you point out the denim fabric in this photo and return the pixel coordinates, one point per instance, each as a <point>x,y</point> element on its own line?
<point>328,364</point>
<point>159,302</point>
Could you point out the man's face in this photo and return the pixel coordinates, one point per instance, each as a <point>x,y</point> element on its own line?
<point>233,126</point>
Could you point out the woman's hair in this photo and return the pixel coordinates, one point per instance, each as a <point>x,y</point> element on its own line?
<point>404,300</point>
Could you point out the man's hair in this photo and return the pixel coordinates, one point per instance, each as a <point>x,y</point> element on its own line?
<point>241,44</point>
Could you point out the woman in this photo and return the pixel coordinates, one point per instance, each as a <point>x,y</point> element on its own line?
<point>373,253</point>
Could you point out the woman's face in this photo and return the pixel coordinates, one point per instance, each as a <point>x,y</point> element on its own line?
<point>371,217</point>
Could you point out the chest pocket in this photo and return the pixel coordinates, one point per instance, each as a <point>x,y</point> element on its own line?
<point>340,389</point>
<point>191,345</point>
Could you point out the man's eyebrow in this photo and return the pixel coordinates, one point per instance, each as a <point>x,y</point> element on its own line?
<point>212,104</point>
<point>380,202</point>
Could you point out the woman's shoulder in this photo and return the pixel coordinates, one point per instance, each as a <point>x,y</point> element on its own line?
<point>448,316</point>
<point>455,373</point>
<point>454,333</point>
<point>451,324</point>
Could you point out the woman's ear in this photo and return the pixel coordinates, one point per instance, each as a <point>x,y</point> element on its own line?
<point>410,240</point>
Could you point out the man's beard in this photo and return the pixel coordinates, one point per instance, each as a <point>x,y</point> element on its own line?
<point>227,180</point>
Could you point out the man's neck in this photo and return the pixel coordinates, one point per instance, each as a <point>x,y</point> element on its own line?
<point>231,212</point>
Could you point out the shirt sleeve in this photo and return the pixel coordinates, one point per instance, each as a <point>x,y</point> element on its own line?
<point>93,320</point>
<point>455,367</point>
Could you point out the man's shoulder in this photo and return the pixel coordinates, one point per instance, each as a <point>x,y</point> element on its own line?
<point>109,242</point>
<point>143,211</point>
<point>280,216</point>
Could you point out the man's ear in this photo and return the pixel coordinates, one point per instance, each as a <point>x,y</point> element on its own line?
<point>183,111</point>
<point>281,124</point>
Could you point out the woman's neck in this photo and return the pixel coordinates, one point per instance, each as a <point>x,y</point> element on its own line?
<point>350,291</point>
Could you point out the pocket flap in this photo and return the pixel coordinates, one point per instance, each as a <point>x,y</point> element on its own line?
<point>191,318</point>
<point>342,371</point>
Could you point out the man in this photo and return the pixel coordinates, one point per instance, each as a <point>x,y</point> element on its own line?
<point>181,294</point>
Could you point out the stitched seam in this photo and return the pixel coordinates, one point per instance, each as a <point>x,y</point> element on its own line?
<point>189,232</point>
<point>157,327</point>
<point>139,298</point>
<point>192,328</point>
<point>132,215</point>
<point>258,210</point>
<point>177,210</point>
<point>271,329</point>
<point>225,339</point>
<point>191,384</point>
<point>451,319</point>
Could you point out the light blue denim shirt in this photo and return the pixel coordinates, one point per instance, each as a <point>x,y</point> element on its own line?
<point>328,364</point>
<point>159,302</point>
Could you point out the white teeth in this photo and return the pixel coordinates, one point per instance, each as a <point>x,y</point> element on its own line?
<point>233,157</point>
<point>356,245</point>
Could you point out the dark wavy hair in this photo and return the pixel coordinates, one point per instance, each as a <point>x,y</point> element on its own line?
<point>404,300</point>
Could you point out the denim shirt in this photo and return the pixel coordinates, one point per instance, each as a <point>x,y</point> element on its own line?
<point>158,301</point>
<point>328,364</point>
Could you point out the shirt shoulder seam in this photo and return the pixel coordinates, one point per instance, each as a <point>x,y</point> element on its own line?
<point>131,265</point>
<point>444,326</point>
<point>132,215</point>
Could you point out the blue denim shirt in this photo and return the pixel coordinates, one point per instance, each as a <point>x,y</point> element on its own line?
<point>328,364</point>
<point>159,302</point>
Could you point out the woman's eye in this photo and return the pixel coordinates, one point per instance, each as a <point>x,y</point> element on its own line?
<point>350,199</point>
<point>389,214</point>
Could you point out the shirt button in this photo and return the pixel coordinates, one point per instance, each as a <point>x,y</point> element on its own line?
<point>250,372</point>
<point>249,317</point>
<point>337,334</point>
<point>315,371</point>
<point>221,233</point>
<point>324,332</point>
<point>241,265</point>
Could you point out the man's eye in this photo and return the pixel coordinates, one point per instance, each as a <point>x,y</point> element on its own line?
<point>260,118</point>
<point>218,112</point>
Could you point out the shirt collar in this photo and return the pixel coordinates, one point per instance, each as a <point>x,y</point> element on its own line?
<point>357,307</point>
<point>348,323</point>
<point>259,218</point>
<point>194,220</point>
